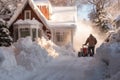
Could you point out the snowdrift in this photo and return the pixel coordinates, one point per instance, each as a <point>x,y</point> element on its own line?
<point>18,61</point>
<point>32,55</point>
<point>26,56</point>
<point>7,58</point>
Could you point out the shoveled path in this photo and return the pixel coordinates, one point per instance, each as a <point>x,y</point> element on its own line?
<point>65,68</point>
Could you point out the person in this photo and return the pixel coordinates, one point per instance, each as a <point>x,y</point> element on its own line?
<point>91,41</point>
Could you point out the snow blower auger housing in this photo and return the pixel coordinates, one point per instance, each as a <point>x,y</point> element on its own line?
<point>83,51</point>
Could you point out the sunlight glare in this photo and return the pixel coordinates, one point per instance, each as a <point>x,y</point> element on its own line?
<point>84,29</point>
<point>48,45</point>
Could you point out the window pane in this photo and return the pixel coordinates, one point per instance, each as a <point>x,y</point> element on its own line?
<point>39,33</point>
<point>57,36</point>
<point>33,34</point>
<point>27,14</point>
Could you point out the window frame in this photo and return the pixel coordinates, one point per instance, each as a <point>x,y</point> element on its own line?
<point>24,32</point>
<point>60,36</point>
<point>27,14</point>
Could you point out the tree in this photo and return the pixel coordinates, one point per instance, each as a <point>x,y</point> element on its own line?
<point>8,6</point>
<point>62,2</point>
<point>114,9</point>
<point>99,15</point>
<point>5,39</point>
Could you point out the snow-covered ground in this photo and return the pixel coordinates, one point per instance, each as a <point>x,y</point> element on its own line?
<point>63,69</point>
<point>43,60</point>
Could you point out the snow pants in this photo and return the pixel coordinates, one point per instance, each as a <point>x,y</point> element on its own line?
<point>91,50</point>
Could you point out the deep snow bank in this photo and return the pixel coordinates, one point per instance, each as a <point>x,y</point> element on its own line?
<point>109,54</point>
<point>9,70</point>
<point>29,54</point>
<point>32,55</point>
<point>18,61</point>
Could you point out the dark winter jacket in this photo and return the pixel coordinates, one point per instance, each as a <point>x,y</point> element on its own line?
<point>91,41</point>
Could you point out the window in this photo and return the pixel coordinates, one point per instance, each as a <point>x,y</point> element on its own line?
<point>27,14</point>
<point>24,32</point>
<point>59,37</point>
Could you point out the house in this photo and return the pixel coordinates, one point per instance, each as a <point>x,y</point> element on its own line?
<point>39,18</point>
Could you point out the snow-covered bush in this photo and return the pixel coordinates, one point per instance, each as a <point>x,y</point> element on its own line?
<point>5,39</point>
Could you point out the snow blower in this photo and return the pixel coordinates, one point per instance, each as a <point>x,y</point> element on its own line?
<point>83,51</point>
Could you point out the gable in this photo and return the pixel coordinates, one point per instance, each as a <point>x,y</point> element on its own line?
<point>33,15</point>
<point>28,4</point>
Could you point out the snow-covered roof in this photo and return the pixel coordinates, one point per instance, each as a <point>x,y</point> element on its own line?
<point>64,14</point>
<point>28,21</point>
<point>63,25</point>
<point>64,17</point>
<point>117,19</point>
<point>35,9</point>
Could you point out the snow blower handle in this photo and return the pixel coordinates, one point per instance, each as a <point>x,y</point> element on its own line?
<point>84,45</point>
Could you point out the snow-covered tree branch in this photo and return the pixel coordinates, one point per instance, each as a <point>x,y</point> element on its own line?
<point>7,6</point>
<point>99,15</point>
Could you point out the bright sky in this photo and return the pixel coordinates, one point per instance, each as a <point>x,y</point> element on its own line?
<point>83,11</point>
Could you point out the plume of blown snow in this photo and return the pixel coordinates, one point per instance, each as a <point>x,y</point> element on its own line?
<point>55,50</point>
<point>48,45</point>
<point>83,30</point>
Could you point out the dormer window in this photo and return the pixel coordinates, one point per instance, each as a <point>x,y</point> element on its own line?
<point>27,14</point>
